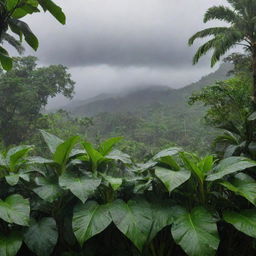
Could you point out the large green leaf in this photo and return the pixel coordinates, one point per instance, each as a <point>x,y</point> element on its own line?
<point>48,189</point>
<point>244,221</point>
<point>54,9</point>
<point>10,244</point>
<point>172,179</point>
<point>119,156</point>
<point>230,165</point>
<point>134,220</point>
<point>115,183</point>
<point>89,219</point>
<point>196,232</point>
<point>81,186</point>
<point>63,150</point>
<point>107,146</point>
<point>167,152</point>
<point>243,185</point>
<point>41,236</point>
<point>51,140</point>
<point>15,209</point>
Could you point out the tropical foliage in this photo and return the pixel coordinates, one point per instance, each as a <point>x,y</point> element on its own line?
<point>82,200</point>
<point>11,14</point>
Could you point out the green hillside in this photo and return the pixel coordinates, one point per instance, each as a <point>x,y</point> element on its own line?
<point>151,118</point>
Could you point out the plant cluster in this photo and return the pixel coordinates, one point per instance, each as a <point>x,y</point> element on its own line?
<point>97,201</point>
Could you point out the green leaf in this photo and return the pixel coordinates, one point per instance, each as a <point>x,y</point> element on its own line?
<point>230,165</point>
<point>107,146</point>
<point>94,155</point>
<point>10,4</point>
<point>90,219</point>
<point>243,185</point>
<point>244,221</point>
<point>13,179</point>
<point>22,27</point>
<point>118,155</point>
<point>51,140</point>
<point>81,186</point>
<point>10,244</point>
<point>38,160</point>
<point>134,220</point>
<point>162,217</point>
<point>48,189</point>
<point>172,179</point>
<point>41,236</point>
<point>196,232</point>
<point>15,209</point>
<point>54,9</point>
<point>167,152</point>
<point>63,151</point>
<point>5,60</point>
<point>115,183</point>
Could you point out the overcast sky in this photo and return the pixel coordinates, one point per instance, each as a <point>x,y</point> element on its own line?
<point>116,44</point>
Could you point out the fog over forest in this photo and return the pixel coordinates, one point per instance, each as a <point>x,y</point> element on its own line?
<point>114,45</point>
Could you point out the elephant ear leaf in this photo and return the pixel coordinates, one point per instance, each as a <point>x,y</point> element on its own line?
<point>107,145</point>
<point>244,221</point>
<point>196,232</point>
<point>243,185</point>
<point>172,179</point>
<point>10,244</point>
<point>133,219</point>
<point>15,209</point>
<point>90,219</point>
<point>230,165</point>
<point>41,237</point>
<point>51,140</point>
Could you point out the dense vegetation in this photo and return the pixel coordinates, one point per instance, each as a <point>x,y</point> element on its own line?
<point>62,195</point>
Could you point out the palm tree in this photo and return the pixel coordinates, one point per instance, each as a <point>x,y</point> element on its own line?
<point>241,17</point>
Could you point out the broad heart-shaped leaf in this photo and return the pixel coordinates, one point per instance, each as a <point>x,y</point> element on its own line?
<point>81,186</point>
<point>243,185</point>
<point>51,140</point>
<point>167,152</point>
<point>107,145</point>
<point>15,209</point>
<point>89,219</point>
<point>196,232</point>
<point>162,216</point>
<point>119,156</point>
<point>48,189</point>
<point>41,236</point>
<point>13,178</point>
<point>172,179</point>
<point>134,220</point>
<point>244,221</point>
<point>230,165</point>
<point>10,245</point>
<point>54,9</point>
<point>63,150</point>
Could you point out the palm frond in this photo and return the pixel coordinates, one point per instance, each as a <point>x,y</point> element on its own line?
<point>207,32</point>
<point>13,42</point>
<point>224,42</point>
<point>203,49</point>
<point>221,13</point>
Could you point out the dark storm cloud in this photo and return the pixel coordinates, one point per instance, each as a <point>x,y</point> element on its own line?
<point>121,32</point>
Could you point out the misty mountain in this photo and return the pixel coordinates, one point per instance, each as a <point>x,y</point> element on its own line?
<point>134,101</point>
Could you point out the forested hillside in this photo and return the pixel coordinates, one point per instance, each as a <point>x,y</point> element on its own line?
<point>151,118</point>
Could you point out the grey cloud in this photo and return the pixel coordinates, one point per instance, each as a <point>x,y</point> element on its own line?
<point>121,32</point>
